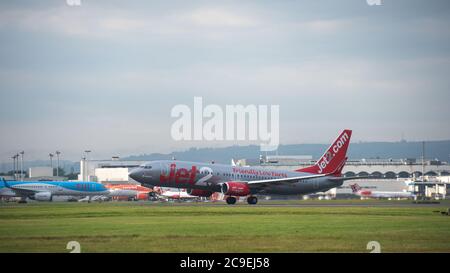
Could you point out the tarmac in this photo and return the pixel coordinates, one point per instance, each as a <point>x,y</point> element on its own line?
<point>327,203</point>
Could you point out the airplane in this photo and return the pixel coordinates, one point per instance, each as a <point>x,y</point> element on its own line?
<point>356,189</point>
<point>174,194</point>
<point>128,192</point>
<point>45,190</point>
<point>202,179</point>
<point>95,198</point>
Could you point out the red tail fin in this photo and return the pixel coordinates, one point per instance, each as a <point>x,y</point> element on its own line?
<point>333,160</point>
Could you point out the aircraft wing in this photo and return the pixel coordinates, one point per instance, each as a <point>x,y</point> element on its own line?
<point>350,178</point>
<point>284,180</point>
<point>302,178</point>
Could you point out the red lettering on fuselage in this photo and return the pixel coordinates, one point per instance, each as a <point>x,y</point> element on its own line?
<point>166,178</point>
<point>246,171</point>
<point>180,176</point>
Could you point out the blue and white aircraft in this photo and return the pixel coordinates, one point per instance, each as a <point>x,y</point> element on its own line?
<point>45,190</point>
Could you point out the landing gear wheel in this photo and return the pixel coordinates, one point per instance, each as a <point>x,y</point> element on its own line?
<point>252,200</point>
<point>231,200</point>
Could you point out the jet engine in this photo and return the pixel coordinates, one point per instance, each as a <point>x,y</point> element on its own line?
<point>235,188</point>
<point>200,193</point>
<point>43,196</point>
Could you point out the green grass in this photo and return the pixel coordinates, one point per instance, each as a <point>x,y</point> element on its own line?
<point>146,227</point>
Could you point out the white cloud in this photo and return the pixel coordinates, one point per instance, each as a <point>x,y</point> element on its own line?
<point>215,17</point>
<point>122,24</point>
<point>315,65</point>
<point>94,22</point>
<point>324,26</point>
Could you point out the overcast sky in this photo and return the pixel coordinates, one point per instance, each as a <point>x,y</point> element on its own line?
<point>105,75</point>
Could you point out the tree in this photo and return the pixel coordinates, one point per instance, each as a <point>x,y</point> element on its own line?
<point>72,176</point>
<point>61,172</point>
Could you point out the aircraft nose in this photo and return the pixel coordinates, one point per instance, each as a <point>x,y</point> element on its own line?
<point>135,174</point>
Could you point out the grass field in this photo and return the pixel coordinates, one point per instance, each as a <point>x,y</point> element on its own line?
<point>146,227</point>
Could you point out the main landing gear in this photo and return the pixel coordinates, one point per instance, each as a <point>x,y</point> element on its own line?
<point>251,200</point>
<point>231,200</point>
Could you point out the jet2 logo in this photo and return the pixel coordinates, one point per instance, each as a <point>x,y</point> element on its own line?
<point>185,176</point>
<point>331,153</point>
<point>209,173</point>
<point>326,159</point>
<point>180,176</point>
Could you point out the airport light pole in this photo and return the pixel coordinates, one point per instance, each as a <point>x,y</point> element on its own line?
<point>57,164</point>
<point>423,161</point>
<point>14,166</point>
<point>14,162</point>
<point>51,161</point>
<point>86,164</point>
<point>17,167</point>
<point>21,165</point>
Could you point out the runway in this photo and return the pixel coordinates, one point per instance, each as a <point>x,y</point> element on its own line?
<point>444,204</point>
<point>319,204</point>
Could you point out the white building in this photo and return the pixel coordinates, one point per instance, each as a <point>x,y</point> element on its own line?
<point>40,172</point>
<point>112,175</point>
<point>112,171</point>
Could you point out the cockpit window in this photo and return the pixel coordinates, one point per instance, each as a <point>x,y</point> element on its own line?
<point>148,167</point>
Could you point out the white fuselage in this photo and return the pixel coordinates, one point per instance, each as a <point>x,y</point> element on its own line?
<point>384,194</point>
